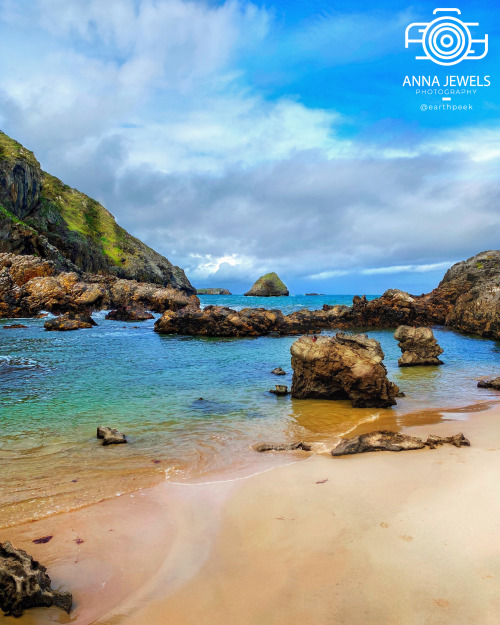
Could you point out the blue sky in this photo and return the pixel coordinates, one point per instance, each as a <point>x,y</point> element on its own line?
<point>243,137</point>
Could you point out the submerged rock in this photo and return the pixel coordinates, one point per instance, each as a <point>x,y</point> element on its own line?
<point>24,584</point>
<point>280,389</point>
<point>269,285</point>
<point>129,313</point>
<point>110,436</point>
<point>342,367</point>
<point>419,347</point>
<point>278,371</point>
<point>377,441</point>
<point>494,383</point>
<point>458,440</point>
<point>262,447</point>
<point>68,322</point>
<point>15,326</point>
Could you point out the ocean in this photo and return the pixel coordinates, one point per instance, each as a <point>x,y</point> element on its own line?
<point>191,407</point>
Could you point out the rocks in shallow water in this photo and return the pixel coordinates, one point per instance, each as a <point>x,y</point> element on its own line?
<point>269,285</point>
<point>382,440</point>
<point>493,383</point>
<point>341,367</point>
<point>15,326</point>
<point>418,345</point>
<point>278,371</point>
<point>68,322</point>
<point>110,436</point>
<point>280,389</point>
<point>458,440</point>
<point>262,447</point>
<point>129,313</point>
<point>24,584</point>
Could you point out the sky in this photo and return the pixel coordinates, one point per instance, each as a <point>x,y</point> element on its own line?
<point>240,137</point>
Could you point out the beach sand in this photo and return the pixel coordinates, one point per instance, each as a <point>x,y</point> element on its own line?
<point>376,539</point>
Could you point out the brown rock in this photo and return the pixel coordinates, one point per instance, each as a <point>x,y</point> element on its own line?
<point>69,322</point>
<point>418,345</point>
<point>377,441</point>
<point>263,447</point>
<point>342,367</point>
<point>24,584</point>
<point>278,371</point>
<point>110,436</point>
<point>458,440</point>
<point>129,313</point>
<point>15,326</point>
<point>280,390</point>
<point>493,383</point>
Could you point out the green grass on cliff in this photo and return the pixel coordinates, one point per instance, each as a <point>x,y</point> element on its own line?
<point>5,213</point>
<point>85,216</point>
<point>12,151</point>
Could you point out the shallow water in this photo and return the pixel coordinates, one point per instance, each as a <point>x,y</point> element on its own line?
<point>191,407</point>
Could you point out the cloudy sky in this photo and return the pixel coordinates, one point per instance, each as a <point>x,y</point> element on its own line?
<point>243,137</point>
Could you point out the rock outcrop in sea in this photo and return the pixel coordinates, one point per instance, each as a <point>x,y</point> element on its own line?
<point>342,367</point>
<point>24,584</point>
<point>43,217</point>
<point>110,436</point>
<point>269,285</point>
<point>494,383</point>
<point>70,321</point>
<point>419,347</point>
<point>29,285</point>
<point>212,292</point>
<point>129,313</point>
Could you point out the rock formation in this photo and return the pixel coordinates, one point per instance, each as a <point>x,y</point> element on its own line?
<point>263,447</point>
<point>41,216</point>
<point>29,285</point>
<point>24,584</point>
<point>280,390</point>
<point>342,367</point>
<point>213,292</point>
<point>393,441</point>
<point>278,371</point>
<point>269,285</point>
<point>68,322</point>
<point>129,313</point>
<point>418,345</point>
<point>110,436</point>
<point>494,383</point>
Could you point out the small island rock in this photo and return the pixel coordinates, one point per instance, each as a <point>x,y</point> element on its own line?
<point>269,285</point>
<point>213,292</point>
<point>278,371</point>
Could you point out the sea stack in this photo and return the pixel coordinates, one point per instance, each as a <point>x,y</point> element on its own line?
<point>269,285</point>
<point>419,347</point>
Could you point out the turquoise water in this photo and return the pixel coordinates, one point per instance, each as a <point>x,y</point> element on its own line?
<point>56,388</point>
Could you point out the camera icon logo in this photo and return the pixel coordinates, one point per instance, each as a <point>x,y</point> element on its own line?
<point>446,40</point>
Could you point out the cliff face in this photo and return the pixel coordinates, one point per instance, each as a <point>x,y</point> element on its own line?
<point>40,215</point>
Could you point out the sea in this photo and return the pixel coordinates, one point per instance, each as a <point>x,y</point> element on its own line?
<point>192,408</point>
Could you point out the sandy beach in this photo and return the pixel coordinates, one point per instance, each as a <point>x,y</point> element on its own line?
<point>381,538</point>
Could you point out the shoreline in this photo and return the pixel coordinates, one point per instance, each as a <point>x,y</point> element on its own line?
<point>216,541</point>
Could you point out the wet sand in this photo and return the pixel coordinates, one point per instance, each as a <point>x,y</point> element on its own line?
<point>380,539</point>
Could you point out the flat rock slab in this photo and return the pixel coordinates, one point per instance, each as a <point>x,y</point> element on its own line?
<point>24,584</point>
<point>262,447</point>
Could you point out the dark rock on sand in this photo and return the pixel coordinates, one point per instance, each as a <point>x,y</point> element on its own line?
<point>419,347</point>
<point>493,383</point>
<point>280,389</point>
<point>278,371</point>
<point>129,313</point>
<point>269,285</point>
<point>15,326</point>
<point>68,322</point>
<point>458,440</point>
<point>377,441</point>
<point>262,447</point>
<point>24,584</point>
<point>110,436</point>
<point>342,367</point>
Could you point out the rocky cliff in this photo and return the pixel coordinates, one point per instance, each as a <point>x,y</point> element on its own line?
<point>41,216</point>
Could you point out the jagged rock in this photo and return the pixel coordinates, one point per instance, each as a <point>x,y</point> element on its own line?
<point>419,347</point>
<point>213,292</point>
<point>29,285</point>
<point>342,367</point>
<point>262,447</point>
<point>278,371</point>
<point>377,441</point>
<point>280,389</point>
<point>15,326</point>
<point>69,322</point>
<point>269,285</point>
<point>493,383</point>
<point>110,436</point>
<point>129,313</point>
<point>24,583</point>
<point>458,440</point>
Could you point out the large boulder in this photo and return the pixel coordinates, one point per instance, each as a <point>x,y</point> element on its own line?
<point>68,322</point>
<point>418,345</point>
<point>342,367</point>
<point>24,584</point>
<point>129,313</point>
<point>269,285</point>
<point>494,383</point>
